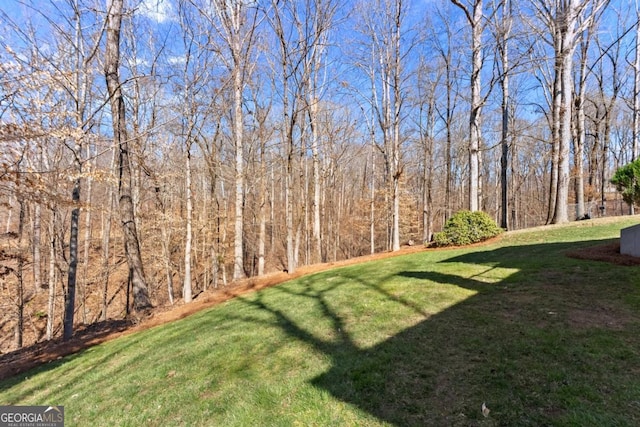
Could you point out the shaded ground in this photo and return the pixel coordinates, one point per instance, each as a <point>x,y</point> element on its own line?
<point>24,359</point>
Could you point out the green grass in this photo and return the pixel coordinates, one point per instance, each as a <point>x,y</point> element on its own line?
<point>421,339</point>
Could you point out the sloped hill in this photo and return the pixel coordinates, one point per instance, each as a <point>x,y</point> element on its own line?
<point>421,339</point>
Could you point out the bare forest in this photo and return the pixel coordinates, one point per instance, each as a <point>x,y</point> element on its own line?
<point>153,150</point>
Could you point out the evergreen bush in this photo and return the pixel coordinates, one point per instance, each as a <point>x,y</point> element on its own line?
<point>627,182</point>
<point>465,228</point>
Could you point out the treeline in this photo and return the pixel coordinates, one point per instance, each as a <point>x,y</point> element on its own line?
<point>154,149</point>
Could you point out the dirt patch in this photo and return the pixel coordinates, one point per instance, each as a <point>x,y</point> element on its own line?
<point>598,317</point>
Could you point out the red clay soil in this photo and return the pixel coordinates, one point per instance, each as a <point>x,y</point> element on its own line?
<point>19,361</point>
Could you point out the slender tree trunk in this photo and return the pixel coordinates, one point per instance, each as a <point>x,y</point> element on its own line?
<point>7,228</point>
<point>514,188</point>
<point>397,172</point>
<point>603,182</point>
<point>186,289</point>
<point>566,91</point>
<point>87,245</point>
<point>476,106</point>
<point>372,201</point>
<point>37,240</point>
<point>580,125</point>
<point>238,246</point>
<point>427,183</point>
<point>474,16</point>
<point>262,213</point>
<point>20,300</point>
<point>106,241</point>
<point>317,238</point>
<point>166,242</point>
<point>70,296</point>
<point>504,159</point>
<point>141,299</point>
<point>288,190</point>
<point>635,152</point>
<point>448,208</point>
<point>580,139</point>
<point>51,303</point>
<point>555,136</point>
<point>166,255</point>
<point>223,241</point>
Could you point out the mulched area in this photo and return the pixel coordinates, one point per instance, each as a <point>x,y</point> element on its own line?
<point>20,361</point>
<point>609,252</point>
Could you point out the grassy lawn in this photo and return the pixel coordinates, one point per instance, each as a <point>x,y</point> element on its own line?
<point>422,339</point>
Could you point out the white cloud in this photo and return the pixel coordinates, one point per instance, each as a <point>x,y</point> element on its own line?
<point>157,10</point>
<point>175,60</point>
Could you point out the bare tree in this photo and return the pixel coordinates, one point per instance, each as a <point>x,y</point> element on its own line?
<point>609,82</point>
<point>292,49</point>
<point>565,21</point>
<point>580,95</point>
<point>427,84</point>
<point>503,36</point>
<point>444,44</point>
<point>508,65</point>
<point>383,24</point>
<point>235,25</point>
<point>474,14</point>
<point>115,9</point>
<point>53,277</point>
<point>321,23</point>
<point>635,151</point>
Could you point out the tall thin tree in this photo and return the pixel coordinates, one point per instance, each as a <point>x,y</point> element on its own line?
<point>115,10</point>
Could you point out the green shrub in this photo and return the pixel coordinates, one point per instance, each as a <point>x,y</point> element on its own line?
<point>466,227</point>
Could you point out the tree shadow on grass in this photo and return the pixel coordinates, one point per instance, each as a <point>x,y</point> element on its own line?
<point>513,344</point>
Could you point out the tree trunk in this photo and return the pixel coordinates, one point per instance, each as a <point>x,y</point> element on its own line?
<point>166,242</point>
<point>635,152</point>
<point>504,158</point>
<point>37,239</point>
<point>106,240</point>
<point>427,181</point>
<point>51,303</point>
<point>238,247</point>
<point>19,322</point>
<point>317,238</point>
<point>555,134</point>
<point>262,213</point>
<point>474,17</point>
<point>372,199</point>
<point>87,245</point>
<point>186,288</point>
<point>580,138</point>
<point>580,126</point>
<point>141,299</point>
<point>503,48</point>
<point>561,213</point>
<point>70,295</point>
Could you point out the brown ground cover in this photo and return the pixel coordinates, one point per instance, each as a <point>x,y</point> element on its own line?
<point>29,357</point>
